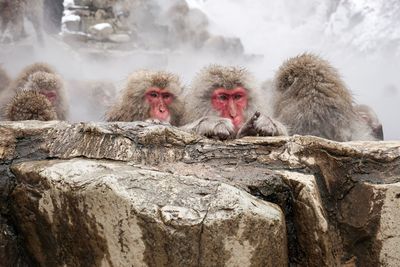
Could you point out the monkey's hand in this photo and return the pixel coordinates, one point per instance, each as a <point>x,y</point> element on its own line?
<point>157,121</point>
<point>212,127</point>
<point>261,125</point>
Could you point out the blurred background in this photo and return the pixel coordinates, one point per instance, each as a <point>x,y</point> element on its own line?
<point>91,41</point>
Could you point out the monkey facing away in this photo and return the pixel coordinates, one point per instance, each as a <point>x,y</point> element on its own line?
<point>372,120</point>
<point>223,103</point>
<point>311,99</point>
<point>149,95</point>
<point>30,105</point>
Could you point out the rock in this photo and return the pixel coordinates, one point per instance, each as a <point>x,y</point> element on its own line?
<point>103,4</point>
<point>122,215</point>
<point>388,238</point>
<point>71,22</point>
<point>317,240</point>
<point>225,45</point>
<point>101,31</point>
<point>82,2</point>
<point>339,200</point>
<point>119,38</point>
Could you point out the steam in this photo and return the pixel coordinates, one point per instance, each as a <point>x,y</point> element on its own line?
<point>358,37</point>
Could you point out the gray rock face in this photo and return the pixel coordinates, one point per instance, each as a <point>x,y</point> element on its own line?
<point>123,215</point>
<point>154,195</point>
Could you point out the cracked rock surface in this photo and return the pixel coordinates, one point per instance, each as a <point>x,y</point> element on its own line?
<point>96,213</point>
<point>137,194</point>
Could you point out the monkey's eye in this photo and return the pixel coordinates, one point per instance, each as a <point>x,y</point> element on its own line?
<point>153,94</point>
<point>223,97</point>
<point>237,97</point>
<point>166,96</point>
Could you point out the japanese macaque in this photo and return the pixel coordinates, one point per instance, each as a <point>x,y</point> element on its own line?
<point>369,116</point>
<point>19,82</point>
<point>50,86</point>
<point>23,76</point>
<point>4,79</point>
<point>30,105</point>
<point>13,12</point>
<point>311,99</point>
<point>149,95</point>
<point>223,103</point>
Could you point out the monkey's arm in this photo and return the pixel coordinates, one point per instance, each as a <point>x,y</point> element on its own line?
<point>212,127</point>
<point>262,125</point>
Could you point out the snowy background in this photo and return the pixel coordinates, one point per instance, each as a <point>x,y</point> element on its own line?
<point>361,38</point>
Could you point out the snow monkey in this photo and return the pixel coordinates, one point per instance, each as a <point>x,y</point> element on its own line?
<point>149,95</point>
<point>14,11</point>
<point>22,78</point>
<point>50,86</point>
<point>311,99</point>
<point>223,103</point>
<point>4,79</point>
<point>372,120</point>
<point>30,105</point>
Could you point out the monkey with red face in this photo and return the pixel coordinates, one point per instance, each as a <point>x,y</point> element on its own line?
<point>223,103</point>
<point>149,95</point>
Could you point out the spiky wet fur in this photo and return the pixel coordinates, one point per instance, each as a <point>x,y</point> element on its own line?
<point>311,99</point>
<point>198,97</point>
<point>30,105</point>
<point>131,105</point>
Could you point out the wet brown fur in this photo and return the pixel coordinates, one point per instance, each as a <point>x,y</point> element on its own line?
<point>311,99</point>
<point>30,105</point>
<point>131,105</point>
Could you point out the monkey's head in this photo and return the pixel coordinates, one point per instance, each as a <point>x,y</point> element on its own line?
<point>30,105</point>
<point>154,95</point>
<point>307,73</point>
<point>226,91</point>
<point>47,84</point>
<point>23,77</point>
